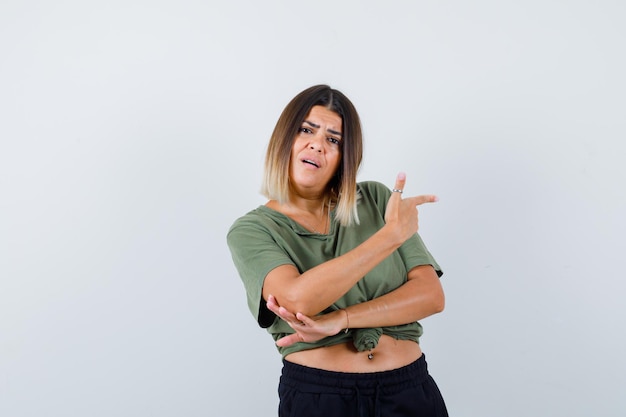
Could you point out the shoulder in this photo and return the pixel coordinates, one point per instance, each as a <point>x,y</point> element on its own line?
<point>372,185</point>
<point>260,220</point>
<point>372,198</point>
<point>251,218</point>
<point>373,191</point>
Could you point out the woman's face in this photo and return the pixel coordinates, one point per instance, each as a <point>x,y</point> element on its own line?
<point>316,152</point>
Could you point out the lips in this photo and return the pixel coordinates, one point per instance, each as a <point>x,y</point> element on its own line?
<point>311,161</point>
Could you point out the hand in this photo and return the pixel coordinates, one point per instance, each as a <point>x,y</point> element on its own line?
<point>307,329</point>
<point>401,213</point>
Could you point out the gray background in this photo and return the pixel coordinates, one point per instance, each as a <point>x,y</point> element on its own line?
<point>133,133</point>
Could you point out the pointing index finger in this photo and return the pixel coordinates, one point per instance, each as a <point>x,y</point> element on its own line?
<point>421,199</point>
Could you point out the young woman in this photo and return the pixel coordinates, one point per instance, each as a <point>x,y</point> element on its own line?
<point>336,272</point>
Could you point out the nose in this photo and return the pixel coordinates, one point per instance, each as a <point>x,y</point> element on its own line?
<point>316,142</point>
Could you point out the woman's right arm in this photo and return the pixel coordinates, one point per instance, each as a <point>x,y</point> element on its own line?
<point>314,290</point>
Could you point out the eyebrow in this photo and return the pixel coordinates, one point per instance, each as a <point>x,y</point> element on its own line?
<point>316,126</point>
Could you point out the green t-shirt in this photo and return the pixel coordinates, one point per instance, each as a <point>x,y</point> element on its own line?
<point>263,239</point>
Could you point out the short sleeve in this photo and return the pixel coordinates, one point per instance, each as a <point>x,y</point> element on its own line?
<point>413,251</point>
<point>255,253</point>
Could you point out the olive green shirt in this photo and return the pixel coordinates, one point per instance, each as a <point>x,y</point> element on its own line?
<point>263,239</point>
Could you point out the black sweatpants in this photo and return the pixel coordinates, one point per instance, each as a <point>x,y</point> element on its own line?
<point>407,391</point>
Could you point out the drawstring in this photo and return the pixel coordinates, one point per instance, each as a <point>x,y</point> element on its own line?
<point>361,406</point>
<point>361,411</point>
<point>377,401</point>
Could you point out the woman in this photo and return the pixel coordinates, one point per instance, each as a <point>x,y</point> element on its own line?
<point>336,272</point>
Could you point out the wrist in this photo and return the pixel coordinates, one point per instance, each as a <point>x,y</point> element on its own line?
<point>347,326</point>
<point>392,236</point>
<point>337,321</point>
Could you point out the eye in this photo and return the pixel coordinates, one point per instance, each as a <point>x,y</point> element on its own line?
<point>334,141</point>
<point>305,130</point>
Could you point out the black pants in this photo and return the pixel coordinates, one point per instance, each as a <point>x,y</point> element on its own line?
<point>407,391</point>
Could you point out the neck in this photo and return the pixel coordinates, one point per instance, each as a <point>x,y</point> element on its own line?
<point>310,206</point>
<point>308,201</point>
<point>313,214</point>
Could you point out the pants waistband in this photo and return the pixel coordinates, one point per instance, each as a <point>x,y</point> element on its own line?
<point>416,373</point>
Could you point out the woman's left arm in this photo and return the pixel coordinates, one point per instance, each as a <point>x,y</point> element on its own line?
<point>421,296</point>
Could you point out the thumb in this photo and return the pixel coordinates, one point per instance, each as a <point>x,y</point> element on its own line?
<point>288,340</point>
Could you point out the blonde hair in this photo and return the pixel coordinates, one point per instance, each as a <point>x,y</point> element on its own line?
<point>342,187</point>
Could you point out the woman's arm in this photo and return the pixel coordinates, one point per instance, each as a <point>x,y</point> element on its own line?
<point>421,296</point>
<point>314,290</point>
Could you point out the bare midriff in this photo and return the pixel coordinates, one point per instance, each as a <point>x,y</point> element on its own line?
<point>389,354</point>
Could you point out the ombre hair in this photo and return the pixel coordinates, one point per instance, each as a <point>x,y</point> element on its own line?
<point>342,187</point>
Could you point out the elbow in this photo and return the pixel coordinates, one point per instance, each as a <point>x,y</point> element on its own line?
<point>440,306</point>
<point>297,302</point>
<point>438,302</point>
<point>288,291</point>
<point>306,308</point>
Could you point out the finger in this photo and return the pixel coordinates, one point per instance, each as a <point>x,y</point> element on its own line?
<point>271,304</point>
<point>422,199</point>
<point>281,312</point>
<point>400,181</point>
<point>276,310</point>
<point>286,314</point>
<point>305,320</point>
<point>271,301</point>
<point>288,340</point>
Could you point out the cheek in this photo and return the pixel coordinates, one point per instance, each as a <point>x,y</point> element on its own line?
<point>300,142</point>
<point>337,161</point>
<point>295,150</point>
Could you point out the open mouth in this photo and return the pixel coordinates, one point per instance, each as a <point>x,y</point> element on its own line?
<point>308,161</point>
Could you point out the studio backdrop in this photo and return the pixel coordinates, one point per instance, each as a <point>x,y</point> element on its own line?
<point>132,135</point>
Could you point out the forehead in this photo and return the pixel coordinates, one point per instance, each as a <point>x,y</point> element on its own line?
<point>324,117</point>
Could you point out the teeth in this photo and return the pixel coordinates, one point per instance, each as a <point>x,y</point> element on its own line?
<point>310,162</point>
